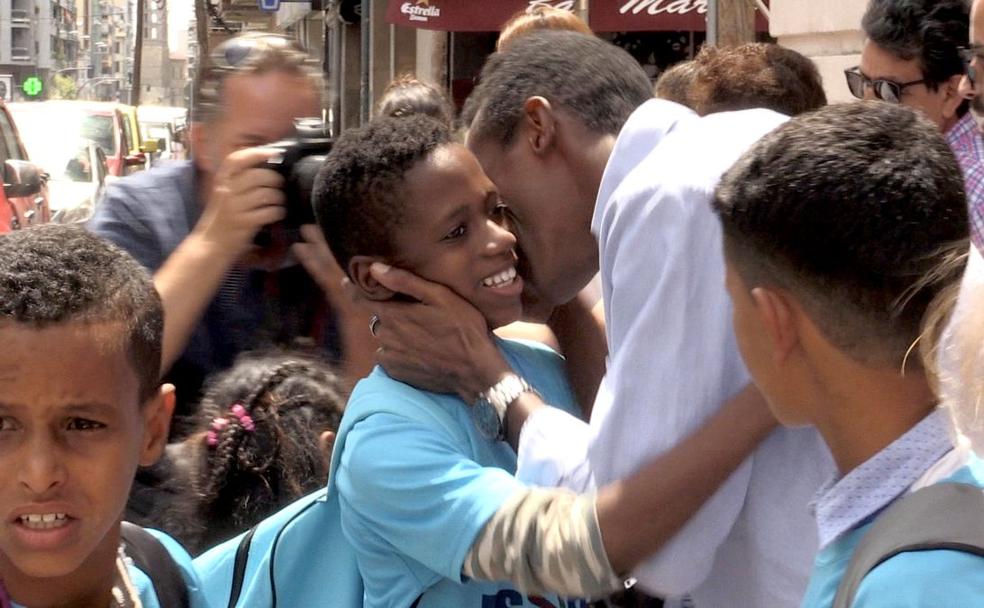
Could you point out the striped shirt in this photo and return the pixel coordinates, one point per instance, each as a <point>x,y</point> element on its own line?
<point>968,146</point>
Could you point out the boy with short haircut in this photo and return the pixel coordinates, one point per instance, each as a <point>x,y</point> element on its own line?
<point>834,225</point>
<point>424,481</point>
<point>81,407</point>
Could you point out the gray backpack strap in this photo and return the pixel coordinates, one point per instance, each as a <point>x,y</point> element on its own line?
<point>941,516</point>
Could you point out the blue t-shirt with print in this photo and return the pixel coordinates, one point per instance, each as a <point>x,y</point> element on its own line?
<point>144,586</point>
<point>416,489</point>
<point>915,579</point>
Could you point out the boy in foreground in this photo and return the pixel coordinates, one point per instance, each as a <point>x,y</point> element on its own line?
<point>834,227</point>
<point>81,408</point>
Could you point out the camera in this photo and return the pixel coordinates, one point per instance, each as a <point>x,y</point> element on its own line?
<point>298,160</point>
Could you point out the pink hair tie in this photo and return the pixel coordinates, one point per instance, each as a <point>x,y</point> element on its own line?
<point>245,420</point>
<point>217,426</point>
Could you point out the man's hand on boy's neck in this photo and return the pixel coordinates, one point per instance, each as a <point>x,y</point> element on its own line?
<point>440,342</point>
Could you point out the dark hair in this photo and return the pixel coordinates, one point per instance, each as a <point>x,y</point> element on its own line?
<point>595,81</point>
<point>538,18</point>
<point>357,193</point>
<point>930,31</point>
<point>55,274</point>
<point>242,476</point>
<point>407,96</point>
<point>675,82</point>
<point>755,75</point>
<point>850,208</point>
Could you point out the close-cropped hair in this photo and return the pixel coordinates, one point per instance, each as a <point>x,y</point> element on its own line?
<point>407,96</point>
<point>254,53</point>
<point>539,18</point>
<point>358,193</point>
<point>59,275</point>
<point>850,208</point>
<point>596,82</point>
<point>755,75</point>
<point>929,31</point>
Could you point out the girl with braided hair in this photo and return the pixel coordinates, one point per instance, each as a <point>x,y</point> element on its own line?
<point>270,425</point>
<point>263,439</point>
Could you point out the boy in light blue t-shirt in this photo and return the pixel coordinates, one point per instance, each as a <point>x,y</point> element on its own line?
<point>81,407</point>
<point>834,227</point>
<point>417,480</point>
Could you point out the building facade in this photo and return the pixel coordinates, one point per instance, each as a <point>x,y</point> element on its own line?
<point>38,38</point>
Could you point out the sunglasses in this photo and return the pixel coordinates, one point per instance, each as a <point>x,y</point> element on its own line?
<point>234,52</point>
<point>968,55</point>
<point>885,90</point>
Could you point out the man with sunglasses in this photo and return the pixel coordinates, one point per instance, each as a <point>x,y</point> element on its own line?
<point>193,223</point>
<point>913,56</point>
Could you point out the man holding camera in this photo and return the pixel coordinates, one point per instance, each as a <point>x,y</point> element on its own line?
<point>195,223</point>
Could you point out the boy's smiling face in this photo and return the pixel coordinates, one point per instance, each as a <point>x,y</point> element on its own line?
<point>72,433</point>
<point>451,233</point>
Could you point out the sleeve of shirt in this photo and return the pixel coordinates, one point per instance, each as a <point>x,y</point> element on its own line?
<point>974,182</point>
<point>553,451</point>
<point>545,541</point>
<point>116,219</point>
<point>196,595</point>
<point>673,361</point>
<point>924,579</point>
<point>410,484</point>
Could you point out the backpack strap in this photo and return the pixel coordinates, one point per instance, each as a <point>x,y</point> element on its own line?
<point>150,555</point>
<point>943,516</point>
<point>239,567</point>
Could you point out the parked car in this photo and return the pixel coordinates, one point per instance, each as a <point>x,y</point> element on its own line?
<point>77,168</point>
<point>102,123</point>
<point>167,126</point>
<point>138,146</point>
<point>24,197</point>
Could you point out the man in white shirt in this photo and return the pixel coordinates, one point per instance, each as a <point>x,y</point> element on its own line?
<point>549,125</point>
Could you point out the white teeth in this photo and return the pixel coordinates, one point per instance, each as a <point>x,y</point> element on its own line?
<point>44,521</point>
<point>506,277</point>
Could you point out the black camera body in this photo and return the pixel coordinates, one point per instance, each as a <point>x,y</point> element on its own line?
<point>298,160</point>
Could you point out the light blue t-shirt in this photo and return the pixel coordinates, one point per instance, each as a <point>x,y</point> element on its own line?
<point>416,489</point>
<point>916,579</point>
<point>144,586</point>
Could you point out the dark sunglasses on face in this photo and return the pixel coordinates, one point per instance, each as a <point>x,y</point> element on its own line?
<point>968,55</point>
<point>885,90</point>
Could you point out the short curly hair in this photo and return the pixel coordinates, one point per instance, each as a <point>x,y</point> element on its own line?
<point>358,191</point>
<point>598,83</point>
<point>54,274</point>
<point>755,75</point>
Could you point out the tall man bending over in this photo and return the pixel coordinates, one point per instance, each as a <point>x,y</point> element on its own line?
<point>193,223</point>
<point>548,124</point>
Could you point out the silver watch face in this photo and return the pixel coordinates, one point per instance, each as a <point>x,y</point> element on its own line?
<point>487,420</point>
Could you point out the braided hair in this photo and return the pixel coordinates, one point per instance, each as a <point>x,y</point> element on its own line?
<point>258,449</point>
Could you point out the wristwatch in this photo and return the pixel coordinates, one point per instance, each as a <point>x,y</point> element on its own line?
<point>489,412</point>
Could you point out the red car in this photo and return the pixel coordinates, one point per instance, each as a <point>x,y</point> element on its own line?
<point>24,197</point>
<point>102,123</point>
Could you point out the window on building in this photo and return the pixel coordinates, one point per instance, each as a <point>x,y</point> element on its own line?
<point>153,33</point>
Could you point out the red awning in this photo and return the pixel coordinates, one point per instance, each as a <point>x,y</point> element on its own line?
<point>454,15</point>
<point>654,15</point>
<point>604,15</point>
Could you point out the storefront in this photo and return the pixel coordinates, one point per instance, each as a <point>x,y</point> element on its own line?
<point>658,33</point>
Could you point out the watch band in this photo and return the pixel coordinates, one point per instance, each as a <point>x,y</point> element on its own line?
<point>503,393</point>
